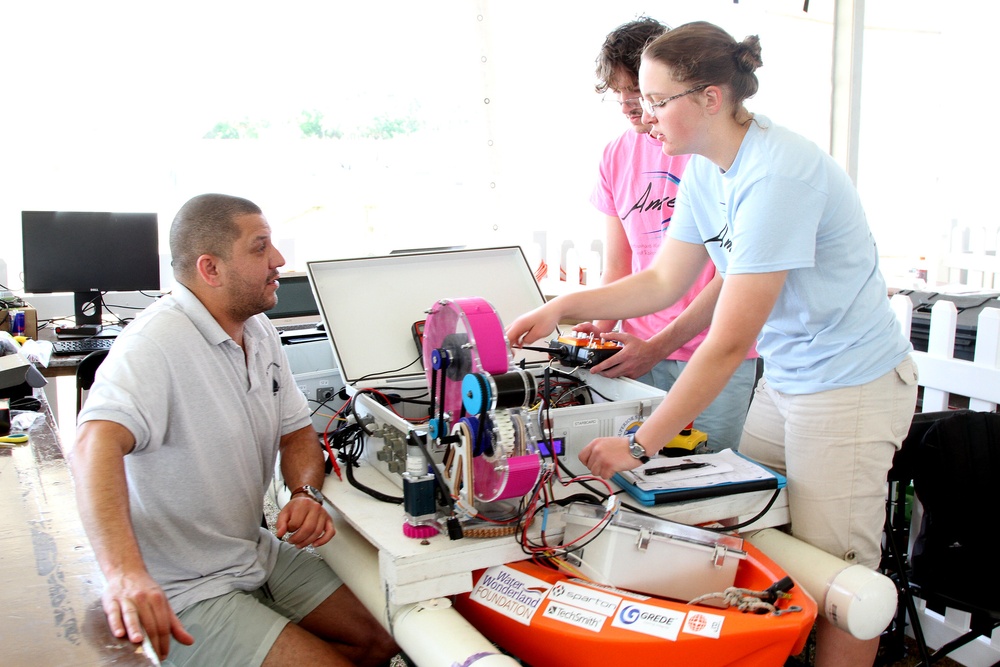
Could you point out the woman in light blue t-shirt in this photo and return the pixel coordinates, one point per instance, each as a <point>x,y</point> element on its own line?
<point>786,230</point>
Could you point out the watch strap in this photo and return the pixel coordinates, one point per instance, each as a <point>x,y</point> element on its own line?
<point>636,449</point>
<point>306,490</point>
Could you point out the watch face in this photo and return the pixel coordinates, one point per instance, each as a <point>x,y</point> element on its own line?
<point>634,448</point>
<point>310,491</point>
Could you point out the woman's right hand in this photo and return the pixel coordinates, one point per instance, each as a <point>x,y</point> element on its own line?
<point>533,325</point>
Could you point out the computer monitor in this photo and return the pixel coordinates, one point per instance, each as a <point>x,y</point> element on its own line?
<point>88,253</point>
<point>295,298</point>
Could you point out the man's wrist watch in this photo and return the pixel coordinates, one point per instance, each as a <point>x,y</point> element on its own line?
<point>310,491</point>
<point>636,450</point>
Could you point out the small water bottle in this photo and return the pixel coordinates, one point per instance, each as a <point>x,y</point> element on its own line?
<point>17,323</point>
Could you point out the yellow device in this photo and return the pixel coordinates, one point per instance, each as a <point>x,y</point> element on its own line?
<point>687,440</point>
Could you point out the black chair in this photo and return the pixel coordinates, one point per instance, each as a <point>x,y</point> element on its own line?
<point>953,459</point>
<point>85,374</point>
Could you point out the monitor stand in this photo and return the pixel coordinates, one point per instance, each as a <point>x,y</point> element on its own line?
<point>87,307</point>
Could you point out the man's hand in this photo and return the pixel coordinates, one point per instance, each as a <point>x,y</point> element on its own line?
<point>305,521</point>
<point>135,604</point>
<point>606,456</point>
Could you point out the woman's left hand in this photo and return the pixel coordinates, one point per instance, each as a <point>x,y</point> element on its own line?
<point>606,456</point>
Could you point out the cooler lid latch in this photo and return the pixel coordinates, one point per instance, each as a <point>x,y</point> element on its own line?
<point>642,539</point>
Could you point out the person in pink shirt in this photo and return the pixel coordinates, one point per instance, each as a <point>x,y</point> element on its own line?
<point>636,191</point>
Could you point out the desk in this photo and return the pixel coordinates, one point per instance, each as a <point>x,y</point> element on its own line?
<point>50,583</point>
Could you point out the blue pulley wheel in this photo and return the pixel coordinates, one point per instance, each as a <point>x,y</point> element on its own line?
<point>475,393</point>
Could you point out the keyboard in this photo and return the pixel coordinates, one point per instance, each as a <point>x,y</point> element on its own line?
<point>81,345</point>
<point>282,328</point>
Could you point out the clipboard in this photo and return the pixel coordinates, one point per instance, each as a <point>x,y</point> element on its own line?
<point>758,478</point>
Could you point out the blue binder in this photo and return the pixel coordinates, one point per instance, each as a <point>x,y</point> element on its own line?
<point>648,498</point>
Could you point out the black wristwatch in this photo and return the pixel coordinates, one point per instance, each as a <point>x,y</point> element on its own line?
<point>310,491</point>
<point>637,451</point>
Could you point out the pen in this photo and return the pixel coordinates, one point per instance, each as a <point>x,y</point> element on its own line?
<point>690,465</point>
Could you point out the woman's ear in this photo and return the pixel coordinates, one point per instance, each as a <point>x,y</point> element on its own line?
<point>713,99</point>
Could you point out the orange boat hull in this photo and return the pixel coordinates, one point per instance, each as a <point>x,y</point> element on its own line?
<point>546,618</point>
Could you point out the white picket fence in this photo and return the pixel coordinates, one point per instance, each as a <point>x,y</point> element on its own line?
<point>943,377</point>
<point>971,258</point>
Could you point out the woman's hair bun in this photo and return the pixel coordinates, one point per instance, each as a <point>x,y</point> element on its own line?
<point>747,54</point>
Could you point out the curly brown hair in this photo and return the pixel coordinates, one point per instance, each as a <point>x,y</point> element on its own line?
<point>622,50</point>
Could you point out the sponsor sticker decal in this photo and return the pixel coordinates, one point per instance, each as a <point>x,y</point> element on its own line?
<point>650,620</point>
<point>511,593</point>
<point>581,618</point>
<point>705,625</point>
<point>585,598</point>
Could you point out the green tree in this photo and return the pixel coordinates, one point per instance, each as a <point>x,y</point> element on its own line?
<point>244,129</point>
<point>387,128</point>
<point>311,124</point>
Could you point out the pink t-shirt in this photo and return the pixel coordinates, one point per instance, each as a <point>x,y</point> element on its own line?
<point>638,184</point>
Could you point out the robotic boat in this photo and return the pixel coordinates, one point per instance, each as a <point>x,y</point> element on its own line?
<point>546,618</point>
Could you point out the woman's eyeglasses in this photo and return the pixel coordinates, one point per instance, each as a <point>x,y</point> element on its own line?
<point>650,107</point>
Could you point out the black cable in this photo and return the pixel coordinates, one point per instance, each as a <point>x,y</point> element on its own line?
<point>414,401</point>
<point>349,440</point>
<point>388,388</point>
<point>723,529</point>
<point>394,370</point>
<point>351,405</point>
<point>117,320</point>
<point>377,495</point>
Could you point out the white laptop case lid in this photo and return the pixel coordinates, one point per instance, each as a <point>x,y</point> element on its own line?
<point>369,304</point>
